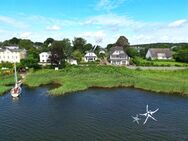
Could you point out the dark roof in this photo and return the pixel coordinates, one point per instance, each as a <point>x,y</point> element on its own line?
<point>155,51</point>
<point>116,48</point>
<point>122,55</point>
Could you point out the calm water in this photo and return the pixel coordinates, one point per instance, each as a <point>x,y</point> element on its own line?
<point>93,115</point>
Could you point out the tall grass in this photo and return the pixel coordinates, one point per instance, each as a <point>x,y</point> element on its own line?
<point>5,81</point>
<point>74,79</point>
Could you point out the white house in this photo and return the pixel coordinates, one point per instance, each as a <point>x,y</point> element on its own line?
<point>90,57</point>
<point>12,54</point>
<point>44,57</point>
<point>159,53</point>
<point>118,56</point>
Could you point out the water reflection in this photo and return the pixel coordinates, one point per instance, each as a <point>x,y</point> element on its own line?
<point>15,99</point>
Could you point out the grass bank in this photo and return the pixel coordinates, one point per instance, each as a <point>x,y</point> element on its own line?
<point>74,79</point>
<point>163,63</point>
<point>5,82</point>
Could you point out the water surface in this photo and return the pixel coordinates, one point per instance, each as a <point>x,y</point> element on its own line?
<point>92,115</point>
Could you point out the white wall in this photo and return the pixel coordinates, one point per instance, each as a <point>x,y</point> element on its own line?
<point>44,57</point>
<point>8,56</point>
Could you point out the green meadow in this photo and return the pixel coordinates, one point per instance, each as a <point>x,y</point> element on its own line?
<point>78,78</point>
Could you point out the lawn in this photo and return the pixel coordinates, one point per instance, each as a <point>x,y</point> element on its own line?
<point>72,79</point>
<point>168,63</point>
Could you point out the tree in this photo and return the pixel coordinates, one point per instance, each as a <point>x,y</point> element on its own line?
<point>109,46</point>
<point>67,47</point>
<point>78,44</point>
<point>29,62</point>
<point>14,41</point>
<point>122,41</point>
<point>77,55</point>
<point>48,41</point>
<point>34,53</point>
<point>26,44</point>
<point>87,47</point>
<point>182,55</point>
<point>132,52</point>
<point>57,57</point>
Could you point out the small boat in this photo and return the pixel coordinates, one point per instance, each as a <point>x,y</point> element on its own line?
<point>16,90</point>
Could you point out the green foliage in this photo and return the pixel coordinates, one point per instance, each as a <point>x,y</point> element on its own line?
<point>14,41</point>
<point>77,78</point>
<point>5,80</point>
<point>78,44</point>
<point>143,62</point>
<point>131,52</point>
<point>6,65</point>
<point>48,41</point>
<point>29,62</point>
<point>67,47</point>
<point>182,55</point>
<point>57,57</point>
<point>25,44</point>
<point>77,55</point>
<point>109,46</point>
<point>122,41</point>
<point>87,47</point>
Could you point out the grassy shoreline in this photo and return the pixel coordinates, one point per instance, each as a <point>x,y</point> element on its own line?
<point>5,82</point>
<point>73,79</point>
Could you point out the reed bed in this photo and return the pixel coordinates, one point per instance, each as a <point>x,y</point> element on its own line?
<point>78,78</point>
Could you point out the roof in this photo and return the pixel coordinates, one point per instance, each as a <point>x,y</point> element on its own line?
<point>117,48</point>
<point>155,51</point>
<point>121,54</point>
<point>11,47</point>
<point>90,54</point>
<point>12,50</point>
<point>45,53</point>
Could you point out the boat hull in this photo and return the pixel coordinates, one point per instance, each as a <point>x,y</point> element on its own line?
<point>15,92</point>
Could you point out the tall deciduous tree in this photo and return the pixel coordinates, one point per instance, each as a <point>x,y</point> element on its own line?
<point>78,44</point>
<point>57,54</point>
<point>87,47</point>
<point>122,41</point>
<point>67,47</point>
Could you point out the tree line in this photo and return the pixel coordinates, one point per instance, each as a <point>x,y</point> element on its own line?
<point>65,48</point>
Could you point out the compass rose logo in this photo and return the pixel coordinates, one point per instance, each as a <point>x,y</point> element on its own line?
<point>148,114</point>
